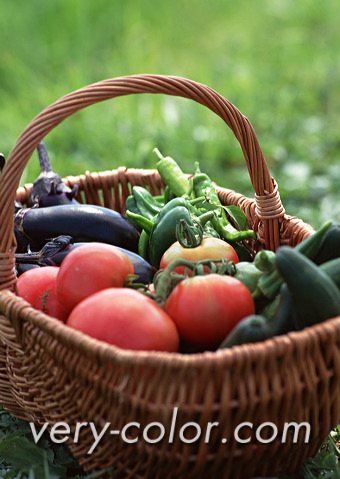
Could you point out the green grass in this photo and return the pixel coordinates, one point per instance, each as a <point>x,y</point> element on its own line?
<point>277,61</point>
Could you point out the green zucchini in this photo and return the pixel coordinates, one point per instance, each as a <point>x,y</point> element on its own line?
<point>330,246</point>
<point>251,329</point>
<point>270,283</point>
<point>315,297</point>
<point>332,269</point>
<point>311,245</point>
<point>279,312</point>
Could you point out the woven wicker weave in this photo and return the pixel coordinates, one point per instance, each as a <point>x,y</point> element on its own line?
<point>50,373</point>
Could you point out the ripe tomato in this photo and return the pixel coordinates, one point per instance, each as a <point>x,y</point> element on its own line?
<point>90,268</point>
<point>38,287</point>
<point>210,248</point>
<point>206,308</point>
<point>126,318</point>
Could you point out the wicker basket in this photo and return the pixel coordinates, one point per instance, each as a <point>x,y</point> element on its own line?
<point>50,373</point>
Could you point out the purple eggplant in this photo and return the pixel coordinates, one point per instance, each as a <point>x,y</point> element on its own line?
<point>49,188</point>
<point>54,252</point>
<point>144,270</point>
<point>44,256</point>
<point>81,221</point>
<point>23,267</point>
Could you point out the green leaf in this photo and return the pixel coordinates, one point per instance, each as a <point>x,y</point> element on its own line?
<point>237,215</point>
<point>20,453</point>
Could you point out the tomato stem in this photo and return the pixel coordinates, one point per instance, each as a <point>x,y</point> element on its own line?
<point>165,280</point>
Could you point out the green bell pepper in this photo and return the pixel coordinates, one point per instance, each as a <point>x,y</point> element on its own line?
<point>167,227</point>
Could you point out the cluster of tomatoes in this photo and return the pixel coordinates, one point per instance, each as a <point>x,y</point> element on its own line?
<point>90,292</point>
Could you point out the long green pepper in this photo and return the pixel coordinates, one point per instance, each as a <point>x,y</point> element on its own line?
<point>202,185</point>
<point>171,174</point>
<point>131,205</point>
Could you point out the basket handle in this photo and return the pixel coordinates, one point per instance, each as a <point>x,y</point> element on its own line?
<point>266,194</point>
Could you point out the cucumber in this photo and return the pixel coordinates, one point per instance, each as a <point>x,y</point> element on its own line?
<point>332,269</point>
<point>251,329</point>
<point>310,246</point>
<point>315,297</point>
<point>270,283</point>
<point>279,312</point>
<point>330,246</point>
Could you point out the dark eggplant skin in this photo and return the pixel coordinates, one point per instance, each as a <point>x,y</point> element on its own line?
<point>56,198</point>
<point>43,256</point>
<point>81,221</point>
<point>144,270</point>
<point>21,268</point>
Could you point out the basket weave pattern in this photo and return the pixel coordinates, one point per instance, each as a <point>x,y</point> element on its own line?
<point>49,372</point>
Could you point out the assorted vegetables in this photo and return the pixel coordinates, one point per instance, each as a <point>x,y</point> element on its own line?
<point>192,210</point>
<point>173,273</point>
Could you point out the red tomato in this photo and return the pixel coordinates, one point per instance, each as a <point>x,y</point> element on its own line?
<point>206,308</point>
<point>38,287</point>
<point>90,268</point>
<point>126,318</point>
<point>210,248</point>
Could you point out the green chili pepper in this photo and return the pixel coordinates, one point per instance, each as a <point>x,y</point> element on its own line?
<point>143,245</point>
<point>130,204</point>
<point>209,230</point>
<point>227,230</point>
<point>172,175</point>
<point>203,186</point>
<point>159,199</point>
<point>140,221</point>
<point>145,202</point>
<point>168,195</point>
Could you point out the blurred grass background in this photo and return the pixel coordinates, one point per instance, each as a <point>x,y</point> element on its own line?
<point>278,61</point>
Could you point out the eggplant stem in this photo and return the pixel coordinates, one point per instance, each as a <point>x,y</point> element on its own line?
<point>44,161</point>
